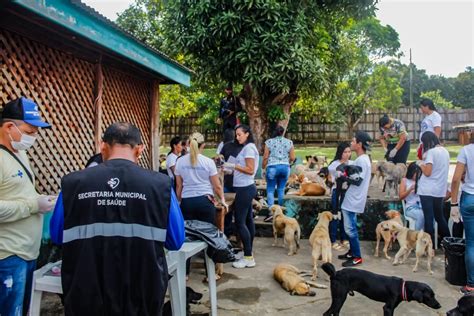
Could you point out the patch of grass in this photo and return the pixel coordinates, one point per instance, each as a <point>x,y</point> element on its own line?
<point>377,152</point>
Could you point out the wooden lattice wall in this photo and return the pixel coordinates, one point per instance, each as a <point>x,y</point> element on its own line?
<point>63,87</point>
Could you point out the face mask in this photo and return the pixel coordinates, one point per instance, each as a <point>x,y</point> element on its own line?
<point>25,142</point>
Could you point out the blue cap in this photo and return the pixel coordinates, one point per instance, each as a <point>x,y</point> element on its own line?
<point>23,109</point>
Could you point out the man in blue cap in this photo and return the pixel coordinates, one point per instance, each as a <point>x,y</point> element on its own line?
<point>21,207</point>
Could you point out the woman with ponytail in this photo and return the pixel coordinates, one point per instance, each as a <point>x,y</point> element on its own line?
<point>408,191</point>
<point>244,168</point>
<point>197,181</point>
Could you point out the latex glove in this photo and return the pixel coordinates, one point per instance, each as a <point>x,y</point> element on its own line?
<point>393,153</point>
<point>338,216</point>
<point>420,162</point>
<point>46,203</point>
<point>454,215</point>
<point>226,206</point>
<point>229,165</point>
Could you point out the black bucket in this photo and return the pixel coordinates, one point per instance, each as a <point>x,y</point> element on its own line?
<point>454,265</point>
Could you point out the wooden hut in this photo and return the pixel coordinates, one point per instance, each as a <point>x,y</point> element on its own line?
<point>85,73</point>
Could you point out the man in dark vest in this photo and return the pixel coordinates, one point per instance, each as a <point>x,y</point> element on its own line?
<point>230,106</point>
<point>115,220</point>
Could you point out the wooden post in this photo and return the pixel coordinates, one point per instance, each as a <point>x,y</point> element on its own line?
<point>98,89</point>
<point>155,125</point>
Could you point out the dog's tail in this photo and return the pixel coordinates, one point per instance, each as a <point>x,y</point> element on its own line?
<point>329,269</point>
<point>298,236</point>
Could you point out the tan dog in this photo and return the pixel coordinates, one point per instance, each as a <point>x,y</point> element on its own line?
<point>291,280</point>
<point>320,241</point>
<point>312,189</point>
<point>386,234</point>
<point>409,240</point>
<point>287,226</point>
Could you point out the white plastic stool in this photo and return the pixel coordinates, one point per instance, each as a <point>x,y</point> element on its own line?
<point>180,256</point>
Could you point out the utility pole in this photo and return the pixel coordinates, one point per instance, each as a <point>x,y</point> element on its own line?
<point>411,98</point>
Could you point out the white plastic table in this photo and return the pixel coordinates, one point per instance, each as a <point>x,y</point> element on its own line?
<point>178,289</point>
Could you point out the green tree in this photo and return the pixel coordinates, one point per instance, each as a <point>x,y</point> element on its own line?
<point>273,49</point>
<point>438,99</point>
<point>464,89</point>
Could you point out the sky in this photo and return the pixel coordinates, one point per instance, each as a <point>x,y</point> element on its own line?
<point>440,33</point>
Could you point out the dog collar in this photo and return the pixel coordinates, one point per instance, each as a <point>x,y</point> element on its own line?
<point>404,292</point>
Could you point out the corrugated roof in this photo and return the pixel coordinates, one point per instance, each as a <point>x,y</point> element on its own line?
<point>98,15</point>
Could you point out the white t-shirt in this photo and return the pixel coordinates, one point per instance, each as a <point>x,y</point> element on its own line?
<point>196,180</point>
<point>332,170</point>
<point>430,122</point>
<point>356,196</point>
<point>242,179</point>
<point>170,162</point>
<point>436,184</point>
<point>219,148</point>
<point>466,157</point>
<point>412,198</point>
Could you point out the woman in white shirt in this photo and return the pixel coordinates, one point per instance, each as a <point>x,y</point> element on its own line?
<point>245,167</point>
<point>408,191</point>
<point>465,164</point>
<point>431,122</point>
<point>342,156</point>
<point>433,183</point>
<point>196,182</point>
<point>175,152</point>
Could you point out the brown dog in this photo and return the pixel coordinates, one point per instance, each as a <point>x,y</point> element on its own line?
<point>409,240</point>
<point>287,226</point>
<point>386,234</point>
<point>320,241</point>
<point>312,189</point>
<point>291,280</point>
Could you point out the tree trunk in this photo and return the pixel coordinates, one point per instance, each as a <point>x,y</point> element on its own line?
<point>287,103</point>
<point>256,112</point>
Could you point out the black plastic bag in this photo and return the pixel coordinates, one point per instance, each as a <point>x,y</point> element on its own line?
<point>219,248</point>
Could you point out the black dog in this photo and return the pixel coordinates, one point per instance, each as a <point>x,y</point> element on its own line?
<point>191,298</point>
<point>465,307</point>
<point>390,290</point>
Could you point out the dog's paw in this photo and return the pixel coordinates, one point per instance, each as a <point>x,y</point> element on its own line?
<point>274,245</point>
<point>415,269</point>
<point>431,271</point>
<point>388,257</point>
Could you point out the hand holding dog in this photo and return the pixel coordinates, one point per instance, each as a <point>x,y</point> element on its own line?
<point>454,215</point>
<point>393,153</point>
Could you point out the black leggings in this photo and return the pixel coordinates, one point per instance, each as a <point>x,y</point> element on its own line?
<point>433,210</point>
<point>402,153</point>
<point>244,215</point>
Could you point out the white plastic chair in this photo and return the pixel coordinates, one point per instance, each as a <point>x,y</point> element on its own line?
<point>412,224</point>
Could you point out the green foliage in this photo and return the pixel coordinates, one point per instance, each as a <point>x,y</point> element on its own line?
<point>464,89</point>
<point>275,114</point>
<point>438,99</point>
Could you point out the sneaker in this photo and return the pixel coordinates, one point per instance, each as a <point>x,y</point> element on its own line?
<point>352,262</point>
<point>467,290</point>
<point>239,255</point>
<point>346,256</point>
<point>244,263</point>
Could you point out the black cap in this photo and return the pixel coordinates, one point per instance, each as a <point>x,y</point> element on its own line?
<point>364,138</point>
<point>23,109</point>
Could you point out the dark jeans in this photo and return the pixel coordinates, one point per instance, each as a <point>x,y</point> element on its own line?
<point>433,210</point>
<point>229,217</point>
<point>244,215</point>
<point>334,224</point>
<point>402,153</point>
<point>199,208</point>
<point>16,276</point>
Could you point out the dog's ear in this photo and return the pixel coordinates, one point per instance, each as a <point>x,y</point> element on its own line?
<point>283,208</point>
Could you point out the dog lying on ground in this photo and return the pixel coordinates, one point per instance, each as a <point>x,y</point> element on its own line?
<point>386,233</point>
<point>393,175</point>
<point>409,240</point>
<point>465,307</point>
<point>292,281</point>
<point>320,241</point>
<point>387,289</point>
<point>192,297</point>
<point>312,189</point>
<point>287,226</point>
